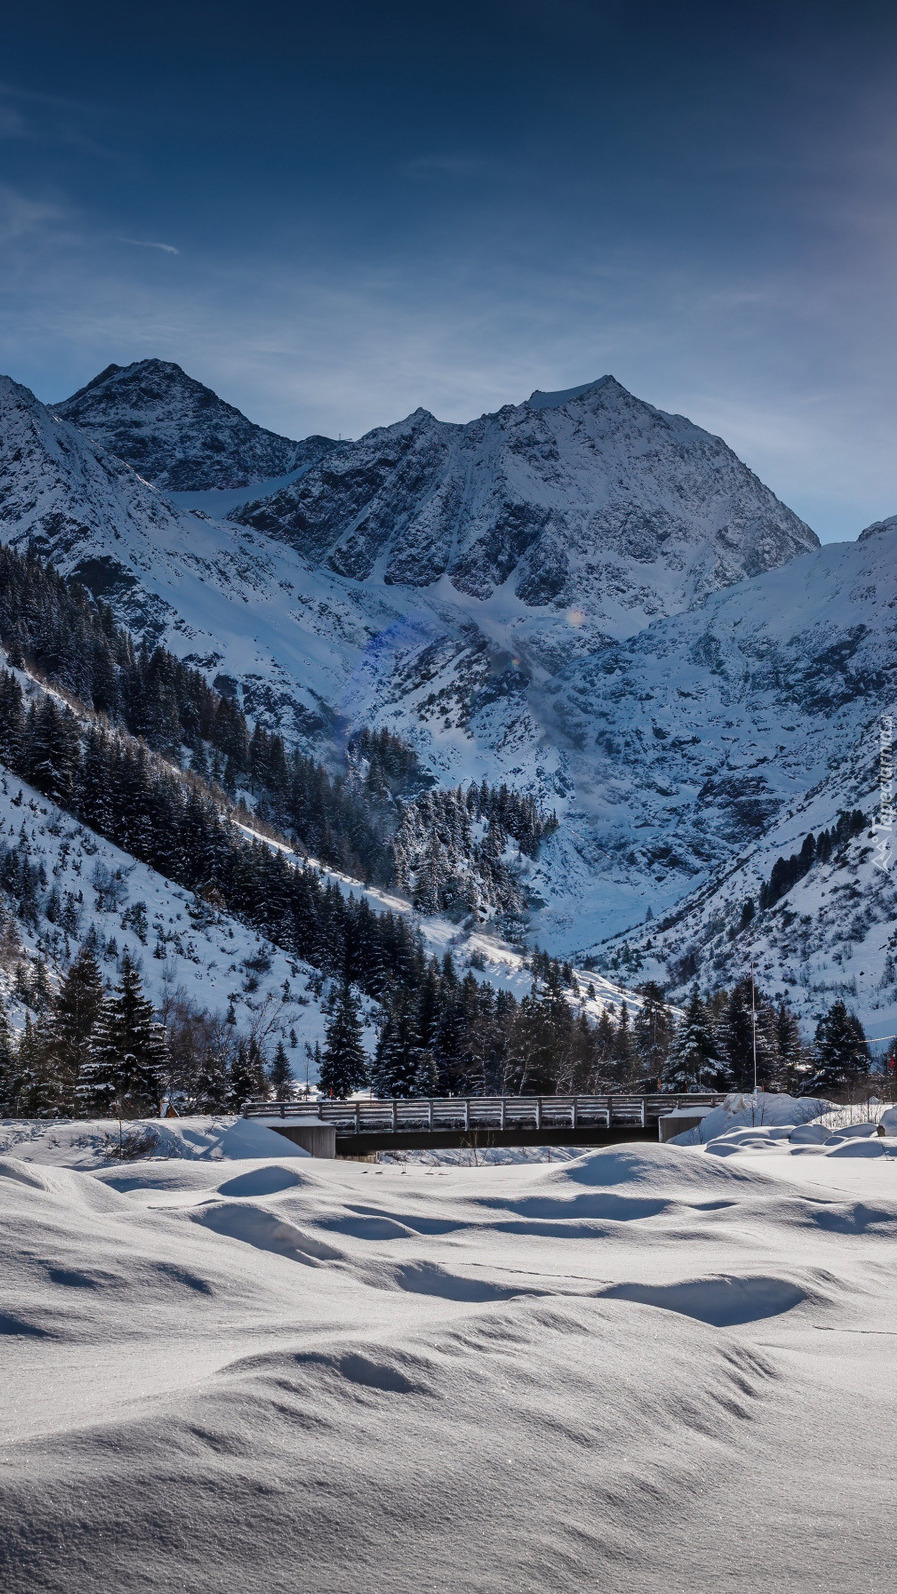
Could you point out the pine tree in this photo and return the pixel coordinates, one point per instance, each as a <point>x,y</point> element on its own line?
<point>33,1087</point>
<point>746,1011</point>
<point>343,1060</point>
<point>397,1060</point>
<point>625,1055</point>
<point>694,1061</point>
<point>125,1074</point>
<point>653,1030</point>
<point>8,1070</point>
<point>76,1011</point>
<point>280,1075</point>
<point>247,1080</point>
<point>792,1053</point>
<point>211,1091</point>
<point>840,1053</point>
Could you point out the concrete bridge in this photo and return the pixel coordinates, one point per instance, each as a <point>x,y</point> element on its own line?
<point>359,1127</point>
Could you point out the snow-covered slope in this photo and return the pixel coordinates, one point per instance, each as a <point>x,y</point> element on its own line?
<point>178,942</point>
<point>831,934</point>
<point>179,434</point>
<point>596,502</point>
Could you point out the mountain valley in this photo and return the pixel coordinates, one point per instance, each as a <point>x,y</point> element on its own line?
<point>588,600</point>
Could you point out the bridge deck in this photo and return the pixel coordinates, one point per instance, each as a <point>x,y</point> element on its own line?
<point>376,1125</point>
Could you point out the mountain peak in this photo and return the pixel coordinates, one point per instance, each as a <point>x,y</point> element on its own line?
<point>178,433</point>
<point>601,504</point>
<point>556,401</point>
<point>877,527</point>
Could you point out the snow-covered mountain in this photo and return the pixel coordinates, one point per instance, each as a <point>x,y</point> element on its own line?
<point>179,434</point>
<point>590,501</point>
<point>673,728</point>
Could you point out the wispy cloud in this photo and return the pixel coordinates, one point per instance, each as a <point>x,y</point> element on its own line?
<point>147,243</point>
<point>22,216</point>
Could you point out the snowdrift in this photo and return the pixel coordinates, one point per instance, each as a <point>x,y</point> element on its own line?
<point>324,1375</point>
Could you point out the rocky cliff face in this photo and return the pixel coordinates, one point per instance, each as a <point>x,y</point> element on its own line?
<point>591,501</point>
<point>58,488</point>
<point>179,434</point>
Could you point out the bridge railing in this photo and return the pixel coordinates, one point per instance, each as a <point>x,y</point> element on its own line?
<point>371,1115</point>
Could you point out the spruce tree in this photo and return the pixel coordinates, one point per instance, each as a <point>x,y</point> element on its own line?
<point>694,1061</point>
<point>247,1080</point>
<point>76,1011</point>
<point>280,1075</point>
<point>211,1090</point>
<point>653,1030</point>
<point>840,1053</point>
<point>792,1053</point>
<point>8,1070</point>
<point>129,1052</point>
<point>33,1086</point>
<point>343,1061</point>
<point>397,1060</point>
<point>748,1009</point>
<point>625,1054</point>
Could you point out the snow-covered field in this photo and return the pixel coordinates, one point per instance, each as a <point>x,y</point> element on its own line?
<point>646,1368</point>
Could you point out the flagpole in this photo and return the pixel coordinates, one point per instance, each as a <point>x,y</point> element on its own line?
<point>754,1026</point>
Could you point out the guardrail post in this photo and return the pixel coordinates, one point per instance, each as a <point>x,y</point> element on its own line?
<point>395,1116</point>
<point>644,1114</point>
<point>538,1112</point>
<point>430,1113</point>
<point>467,1112</point>
<point>573,1112</point>
<point>357,1117</point>
<point>503,1106</point>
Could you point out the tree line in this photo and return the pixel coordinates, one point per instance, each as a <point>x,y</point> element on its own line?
<point>786,872</point>
<point>90,1052</point>
<point>52,625</point>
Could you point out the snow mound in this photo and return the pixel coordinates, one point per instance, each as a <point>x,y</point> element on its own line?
<point>346,1368</point>
<point>766,1110</point>
<point>93,1143</point>
<point>721,1301</point>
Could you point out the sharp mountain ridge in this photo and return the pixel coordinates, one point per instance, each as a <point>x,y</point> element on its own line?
<point>179,434</point>
<point>592,501</point>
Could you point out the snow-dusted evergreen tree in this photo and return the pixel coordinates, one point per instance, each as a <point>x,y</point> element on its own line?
<point>125,1074</point>
<point>653,1030</point>
<point>793,1055</point>
<point>8,1070</point>
<point>840,1053</point>
<point>343,1066</point>
<point>744,1011</point>
<point>625,1054</point>
<point>280,1074</point>
<point>211,1087</point>
<point>397,1066</point>
<point>694,1062</point>
<point>34,1093</point>
<point>72,1027</point>
<point>247,1081</point>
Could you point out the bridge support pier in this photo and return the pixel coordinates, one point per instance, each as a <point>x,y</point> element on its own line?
<point>319,1139</point>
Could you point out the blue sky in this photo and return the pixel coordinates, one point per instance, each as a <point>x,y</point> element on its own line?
<point>334,218</point>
